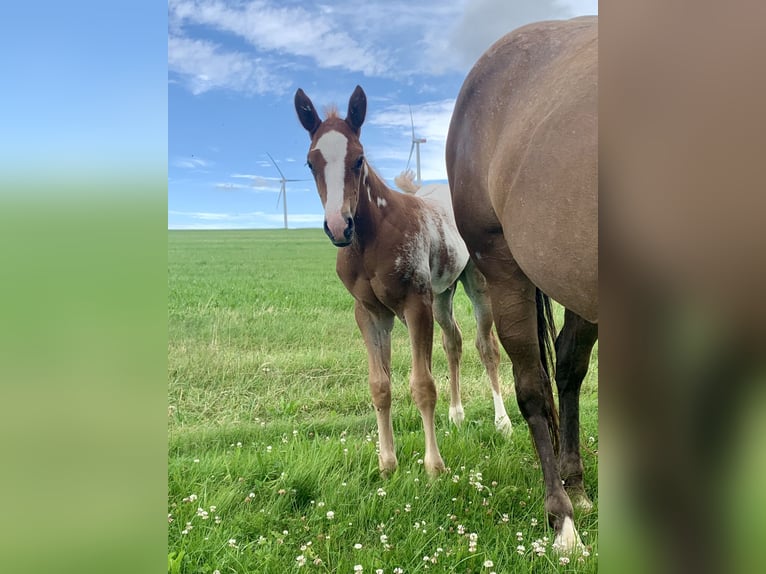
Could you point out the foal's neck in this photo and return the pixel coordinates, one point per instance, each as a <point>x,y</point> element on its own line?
<point>375,198</point>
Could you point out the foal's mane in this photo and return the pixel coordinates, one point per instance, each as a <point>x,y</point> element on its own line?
<point>330,111</point>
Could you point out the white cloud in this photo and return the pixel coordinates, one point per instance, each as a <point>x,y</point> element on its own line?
<point>431,122</point>
<point>279,29</point>
<point>229,185</point>
<point>190,162</point>
<point>248,220</point>
<point>204,66</point>
<point>481,22</point>
<point>383,38</point>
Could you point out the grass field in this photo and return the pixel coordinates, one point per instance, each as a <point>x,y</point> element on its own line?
<point>272,436</point>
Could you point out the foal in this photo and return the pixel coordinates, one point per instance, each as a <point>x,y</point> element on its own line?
<point>400,256</point>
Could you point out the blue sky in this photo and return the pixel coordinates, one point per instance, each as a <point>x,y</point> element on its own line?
<point>234,66</point>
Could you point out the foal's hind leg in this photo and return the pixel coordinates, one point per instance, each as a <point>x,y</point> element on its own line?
<point>452,341</point>
<point>418,316</point>
<point>573,348</point>
<point>376,329</point>
<point>475,286</point>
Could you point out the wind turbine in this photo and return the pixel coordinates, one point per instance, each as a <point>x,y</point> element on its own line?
<point>282,191</point>
<point>416,147</point>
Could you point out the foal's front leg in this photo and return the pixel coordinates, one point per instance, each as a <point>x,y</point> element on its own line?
<point>376,326</point>
<point>418,315</point>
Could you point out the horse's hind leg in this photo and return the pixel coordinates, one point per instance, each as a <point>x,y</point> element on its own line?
<point>475,286</point>
<point>452,341</point>
<point>573,348</point>
<point>376,330</point>
<point>515,311</point>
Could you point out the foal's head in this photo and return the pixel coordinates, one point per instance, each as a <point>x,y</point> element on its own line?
<point>336,160</point>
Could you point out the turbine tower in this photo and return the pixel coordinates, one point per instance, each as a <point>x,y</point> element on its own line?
<point>416,147</point>
<point>282,190</point>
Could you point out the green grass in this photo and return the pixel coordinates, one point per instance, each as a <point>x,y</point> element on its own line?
<point>271,427</point>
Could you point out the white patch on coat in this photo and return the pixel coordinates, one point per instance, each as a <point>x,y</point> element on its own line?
<point>380,200</point>
<point>366,180</point>
<point>333,145</point>
<point>422,254</point>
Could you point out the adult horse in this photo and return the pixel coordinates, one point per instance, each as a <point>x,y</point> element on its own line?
<point>522,166</point>
<point>399,255</point>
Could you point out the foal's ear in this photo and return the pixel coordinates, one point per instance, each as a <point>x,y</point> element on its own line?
<point>357,109</point>
<point>307,114</point>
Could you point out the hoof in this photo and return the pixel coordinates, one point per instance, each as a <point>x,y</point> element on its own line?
<point>456,415</point>
<point>580,501</point>
<point>567,541</point>
<point>503,426</point>
<point>435,468</point>
<point>387,467</point>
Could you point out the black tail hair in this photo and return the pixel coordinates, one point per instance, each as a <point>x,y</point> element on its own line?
<point>546,334</point>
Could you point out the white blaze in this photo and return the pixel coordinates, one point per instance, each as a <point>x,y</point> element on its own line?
<point>333,146</point>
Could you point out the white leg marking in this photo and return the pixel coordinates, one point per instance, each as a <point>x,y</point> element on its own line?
<point>456,415</point>
<point>502,422</point>
<point>568,541</point>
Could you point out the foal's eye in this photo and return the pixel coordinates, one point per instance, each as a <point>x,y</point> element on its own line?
<point>359,163</point>
<point>310,165</point>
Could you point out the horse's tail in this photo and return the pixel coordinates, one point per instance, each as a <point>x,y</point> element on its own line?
<point>405,182</point>
<point>546,333</point>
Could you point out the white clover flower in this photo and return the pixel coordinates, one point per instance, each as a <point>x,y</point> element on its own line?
<point>488,564</point>
<point>358,568</point>
<point>381,492</point>
<point>357,546</point>
<point>520,549</point>
<point>301,560</point>
<point>563,560</point>
<point>330,515</point>
<point>398,570</point>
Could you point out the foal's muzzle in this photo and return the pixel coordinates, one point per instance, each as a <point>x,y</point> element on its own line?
<point>348,233</point>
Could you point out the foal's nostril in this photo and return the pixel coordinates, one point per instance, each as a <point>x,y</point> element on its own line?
<point>349,228</point>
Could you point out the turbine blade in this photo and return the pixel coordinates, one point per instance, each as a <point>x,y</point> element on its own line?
<point>275,165</point>
<point>412,123</point>
<point>409,159</point>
